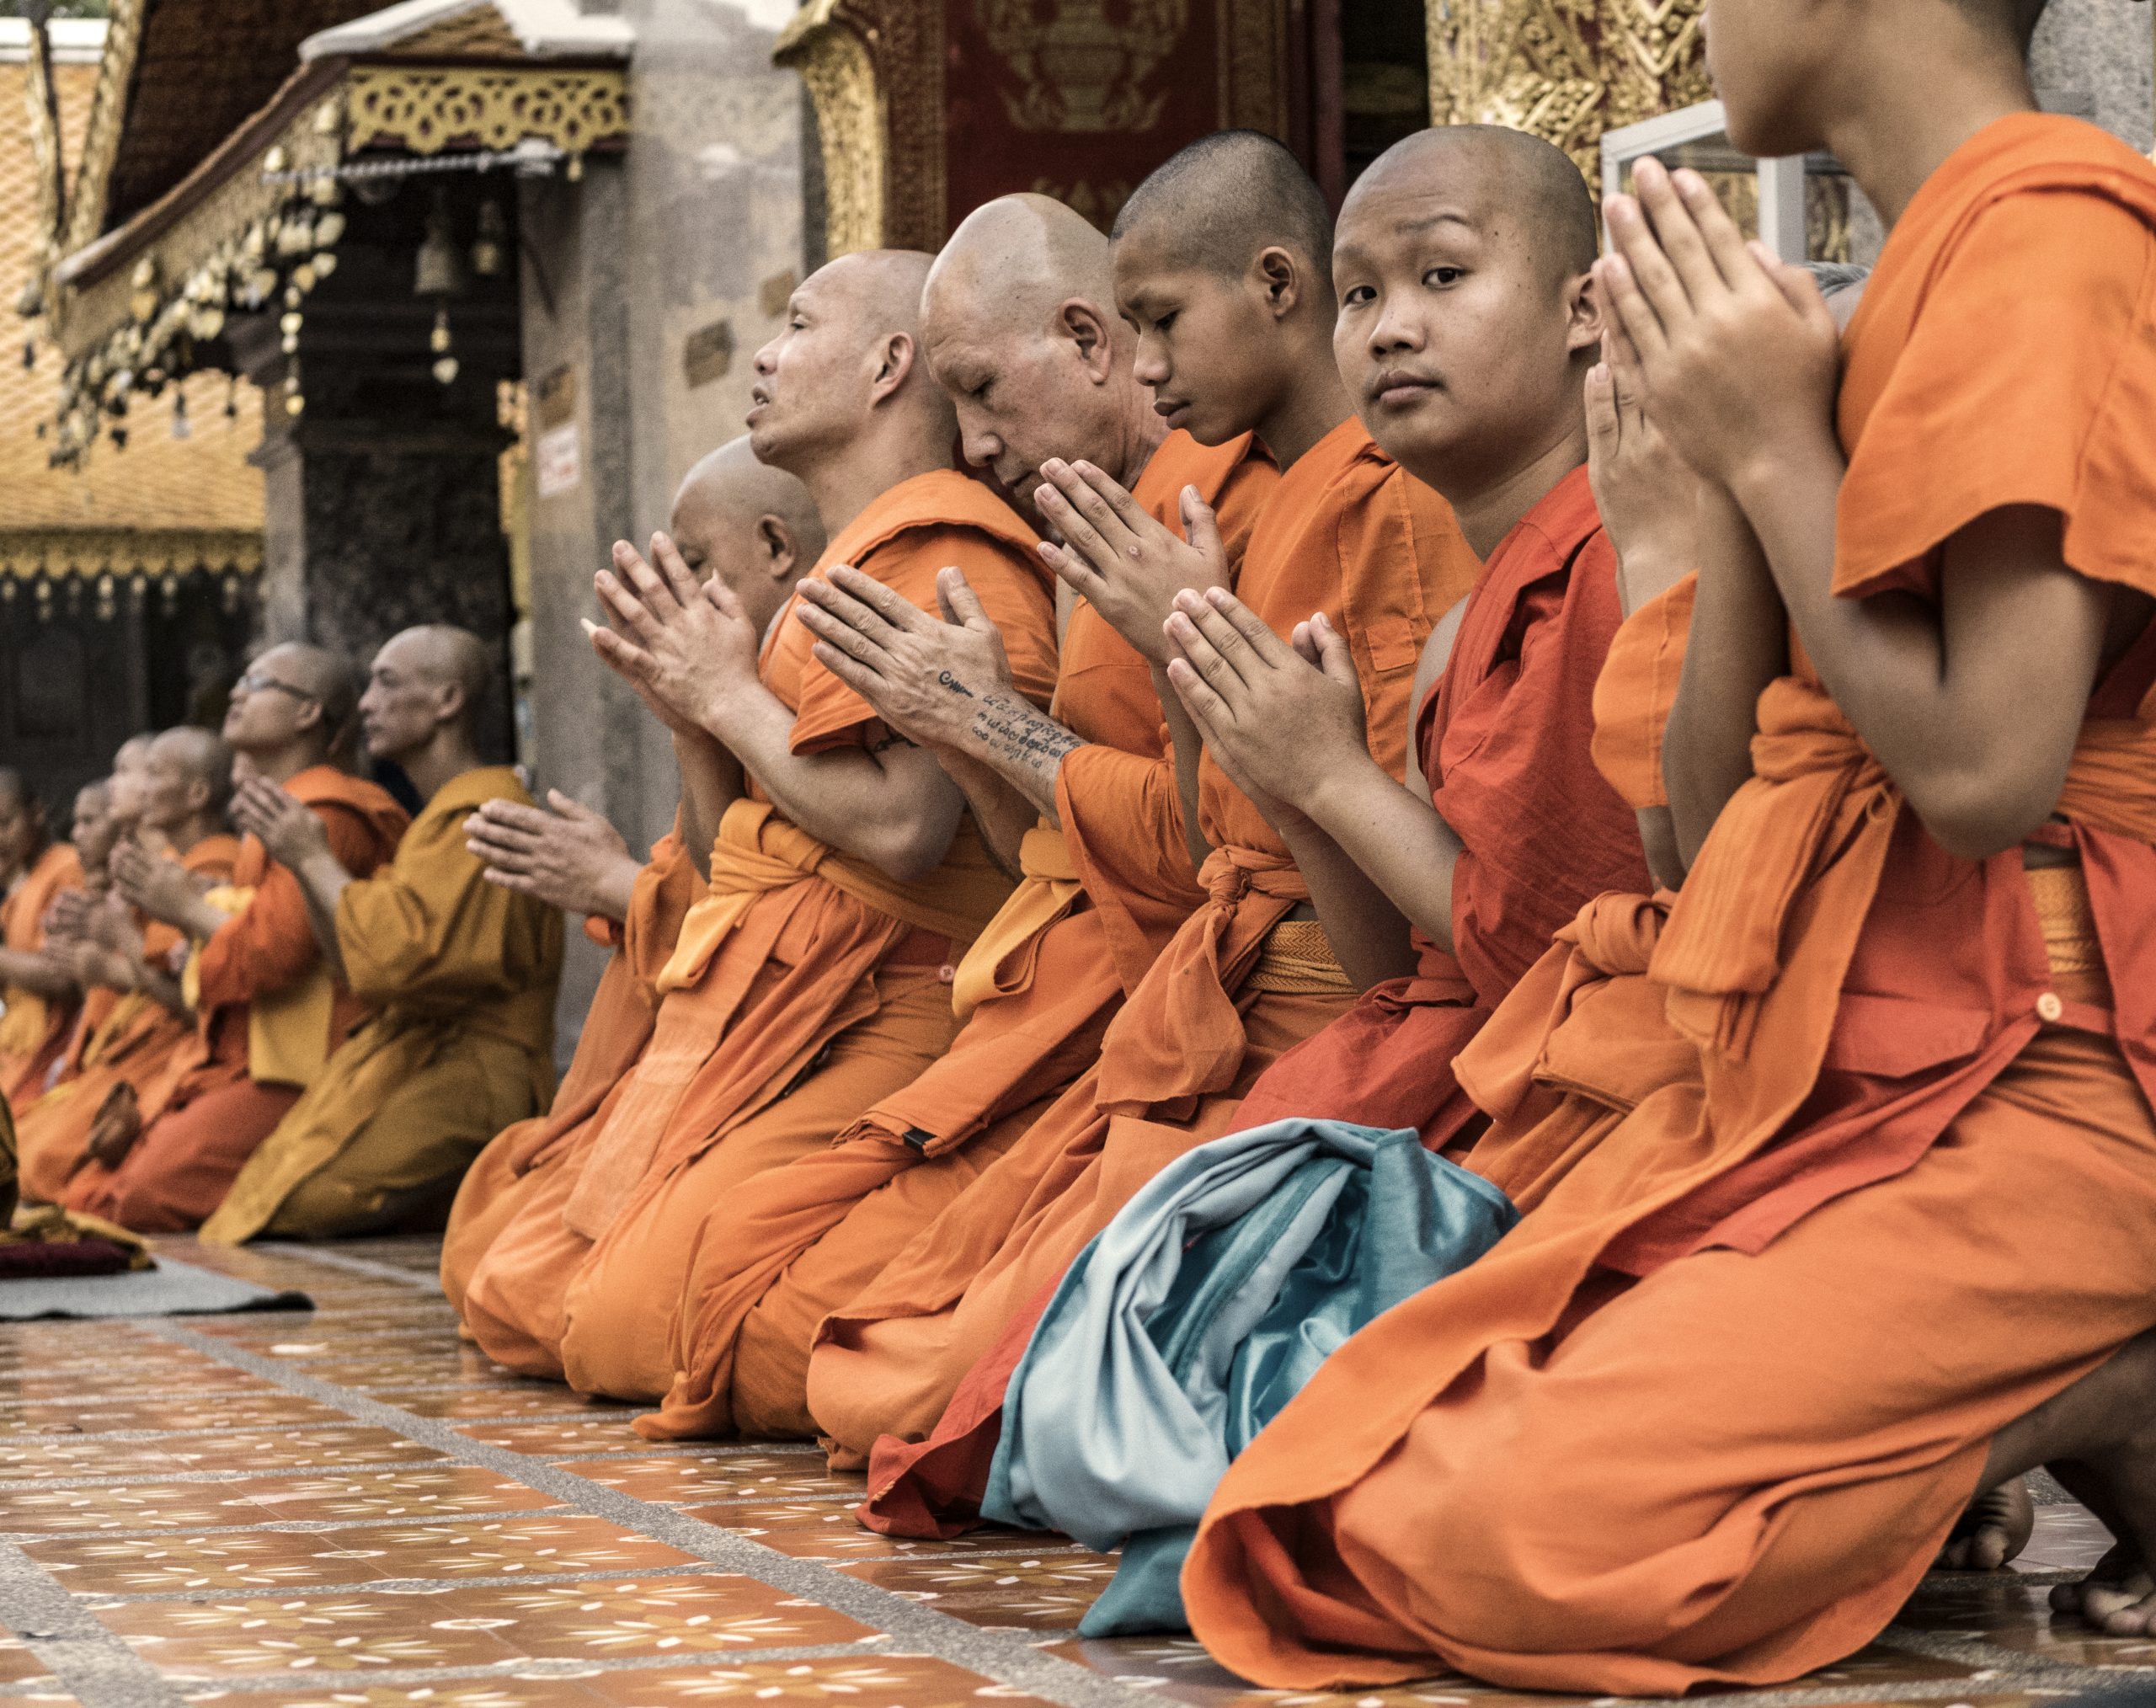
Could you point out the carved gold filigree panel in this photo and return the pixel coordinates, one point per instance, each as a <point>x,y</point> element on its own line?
<point>123,39</point>
<point>1077,71</point>
<point>840,78</point>
<point>424,111</point>
<point>102,554</point>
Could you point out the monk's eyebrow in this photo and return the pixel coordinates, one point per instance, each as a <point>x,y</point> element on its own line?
<point>1429,222</point>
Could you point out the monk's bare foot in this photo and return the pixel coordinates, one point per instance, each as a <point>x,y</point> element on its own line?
<point>2118,1597</point>
<point>1994,1531</point>
<point>2106,1427</point>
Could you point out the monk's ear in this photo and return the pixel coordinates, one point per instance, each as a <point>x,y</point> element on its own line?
<point>1278,277</point>
<point>775,540</point>
<point>1094,338</point>
<point>309,715</point>
<point>894,362</point>
<point>451,707</point>
<point>1583,314</point>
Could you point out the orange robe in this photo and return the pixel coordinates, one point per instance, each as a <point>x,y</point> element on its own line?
<point>1347,532</point>
<point>805,985</point>
<point>33,1031</point>
<point>204,1115</point>
<point>482,1254</point>
<point>1036,993</point>
<point>126,1038</point>
<point>1876,1166</point>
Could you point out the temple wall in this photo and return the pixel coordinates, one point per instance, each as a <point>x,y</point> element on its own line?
<point>2093,58</point>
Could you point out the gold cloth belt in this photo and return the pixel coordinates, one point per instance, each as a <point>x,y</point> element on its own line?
<point>1297,960</point>
<point>2061,894</point>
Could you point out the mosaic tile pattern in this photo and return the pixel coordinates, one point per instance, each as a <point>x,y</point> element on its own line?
<point>353,1508</point>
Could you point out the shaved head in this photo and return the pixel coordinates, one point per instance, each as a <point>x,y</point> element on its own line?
<point>1535,181</point>
<point>752,528</point>
<point>190,756</point>
<point>735,489</point>
<point>1227,196</point>
<point>445,656</point>
<point>1012,260</point>
<point>330,678</point>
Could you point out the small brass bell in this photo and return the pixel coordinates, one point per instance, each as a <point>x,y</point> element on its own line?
<point>440,269</point>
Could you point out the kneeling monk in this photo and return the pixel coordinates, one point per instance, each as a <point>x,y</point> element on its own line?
<point>847,877</point>
<point>1021,330</point>
<point>510,1250</point>
<point>461,974</point>
<point>40,994</point>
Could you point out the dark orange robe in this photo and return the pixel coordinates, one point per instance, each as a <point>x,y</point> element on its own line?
<point>1877,1166</point>
<point>34,1031</point>
<point>122,1038</point>
<point>482,1254</point>
<point>1347,532</point>
<point>805,985</point>
<point>203,1117</point>
<point>1036,992</point>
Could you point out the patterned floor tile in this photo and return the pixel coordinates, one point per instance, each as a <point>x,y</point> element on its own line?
<point>828,1530</point>
<point>1024,1592</point>
<point>740,1476</point>
<point>506,1547</point>
<point>18,1665</point>
<point>529,1400</point>
<point>28,1457</point>
<point>711,1615</point>
<point>2018,1617</point>
<point>608,1432</point>
<point>1179,1670</point>
<point>296,1450</point>
<point>425,1492</point>
<point>51,1386</point>
<point>463,1693</point>
<point>887,1681</point>
<point>374,1375</point>
<point>338,1634</point>
<point>178,1505</point>
<point>208,1412</point>
<point>236,1560</point>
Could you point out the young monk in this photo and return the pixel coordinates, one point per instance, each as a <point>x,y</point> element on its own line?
<point>142,1023</point>
<point>269,1011</point>
<point>1882,1243</point>
<point>39,992</point>
<point>1020,328</point>
<point>508,1253</point>
<point>847,877</point>
<point>1223,262</point>
<point>461,975</point>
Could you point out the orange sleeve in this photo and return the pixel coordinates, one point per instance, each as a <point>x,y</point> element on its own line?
<point>2030,378</point>
<point>832,715</point>
<point>269,945</point>
<point>1635,691</point>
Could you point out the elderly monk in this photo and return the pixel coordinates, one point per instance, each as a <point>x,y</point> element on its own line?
<point>755,530</point>
<point>1222,262</point>
<point>40,992</point>
<point>1873,1237</point>
<point>847,879</point>
<point>1020,327</point>
<point>143,1023</point>
<point>269,1011</point>
<point>461,973</point>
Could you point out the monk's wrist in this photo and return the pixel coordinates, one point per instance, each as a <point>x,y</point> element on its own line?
<point>1764,477</point>
<point>1342,793</point>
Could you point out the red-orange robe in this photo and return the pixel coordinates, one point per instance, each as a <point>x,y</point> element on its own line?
<point>1347,532</point>
<point>1037,990</point>
<point>806,983</point>
<point>204,1116</point>
<point>1895,1193</point>
<point>33,1031</point>
<point>129,1039</point>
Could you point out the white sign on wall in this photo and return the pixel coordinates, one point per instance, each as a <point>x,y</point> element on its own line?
<point>559,463</point>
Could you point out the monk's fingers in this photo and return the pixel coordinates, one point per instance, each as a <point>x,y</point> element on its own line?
<point>627,613</point>
<point>1063,513</point>
<point>1718,234</point>
<point>1072,570</point>
<point>514,815</point>
<point>650,585</point>
<point>958,601</point>
<point>1601,395</point>
<point>843,637</point>
<point>1267,647</point>
<point>495,856</point>
<point>632,660</point>
<point>1202,642</point>
<point>1120,514</point>
<point>1635,316</point>
<point>1677,233</point>
<point>500,836</point>
<point>894,608</point>
<point>839,604</point>
<point>848,670</point>
<point>521,883</point>
<point>1211,714</point>
<point>1636,252</point>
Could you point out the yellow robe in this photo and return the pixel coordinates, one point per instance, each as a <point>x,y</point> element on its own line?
<point>462,973</point>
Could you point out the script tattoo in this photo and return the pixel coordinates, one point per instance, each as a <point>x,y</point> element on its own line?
<point>945,679</point>
<point>1011,731</point>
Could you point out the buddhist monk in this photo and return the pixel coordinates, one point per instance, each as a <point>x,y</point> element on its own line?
<point>1223,264</point>
<point>1021,330</point>
<point>1879,1241</point>
<point>145,1023</point>
<point>268,1010</point>
<point>848,876</point>
<point>38,992</point>
<point>461,973</point>
<point>506,1259</point>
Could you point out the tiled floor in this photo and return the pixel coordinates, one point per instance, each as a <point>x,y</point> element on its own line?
<point>351,1509</point>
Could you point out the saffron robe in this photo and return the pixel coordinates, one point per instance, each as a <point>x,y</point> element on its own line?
<point>1035,992</point>
<point>34,1029</point>
<point>806,983</point>
<point>1345,530</point>
<point>123,1038</point>
<point>206,1114</point>
<point>1876,1166</point>
<point>482,1256</point>
<point>461,975</point>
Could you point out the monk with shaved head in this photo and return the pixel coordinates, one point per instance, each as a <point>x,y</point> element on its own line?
<point>268,1009</point>
<point>755,530</point>
<point>1021,329</point>
<point>39,991</point>
<point>459,974</point>
<point>845,875</point>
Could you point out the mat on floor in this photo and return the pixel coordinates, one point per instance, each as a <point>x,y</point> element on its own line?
<point>166,1289</point>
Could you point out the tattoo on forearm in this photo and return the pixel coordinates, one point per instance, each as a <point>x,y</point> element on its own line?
<point>1010,731</point>
<point>945,679</point>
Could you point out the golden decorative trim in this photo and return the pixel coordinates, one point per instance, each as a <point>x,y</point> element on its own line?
<point>123,553</point>
<point>423,111</point>
<point>835,68</point>
<point>1567,70</point>
<point>1079,72</point>
<point>39,96</point>
<point>123,39</point>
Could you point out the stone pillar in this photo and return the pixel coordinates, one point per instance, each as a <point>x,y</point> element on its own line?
<point>2093,58</point>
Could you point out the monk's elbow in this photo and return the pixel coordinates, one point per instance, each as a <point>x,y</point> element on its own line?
<point>907,852</point>
<point>1974,812</point>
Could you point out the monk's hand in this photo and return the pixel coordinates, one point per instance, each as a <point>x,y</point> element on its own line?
<point>1646,495</point>
<point>1122,562</point>
<point>284,823</point>
<point>568,857</point>
<point>686,647</point>
<point>160,887</point>
<point>1282,720</point>
<point>1737,353</point>
<point>67,920</point>
<point>113,1128</point>
<point>927,677</point>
